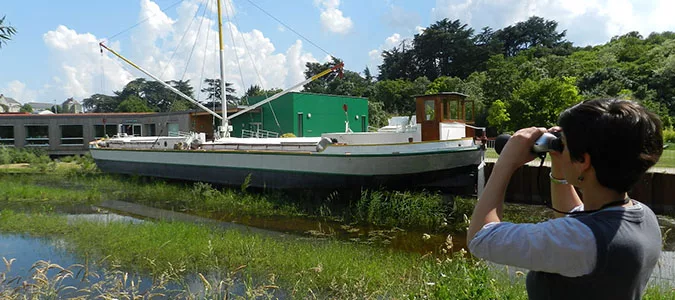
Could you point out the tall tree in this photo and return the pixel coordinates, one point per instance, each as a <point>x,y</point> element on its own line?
<point>6,32</point>
<point>398,63</point>
<point>133,104</point>
<point>351,83</point>
<point>213,89</point>
<point>535,32</point>
<point>98,103</point>
<point>445,48</point>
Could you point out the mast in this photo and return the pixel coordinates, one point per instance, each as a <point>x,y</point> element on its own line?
<point>224,129</point>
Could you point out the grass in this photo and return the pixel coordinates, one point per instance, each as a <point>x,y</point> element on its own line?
<point>302,268</point>
<point>421,210</point>
<point>299,268</point>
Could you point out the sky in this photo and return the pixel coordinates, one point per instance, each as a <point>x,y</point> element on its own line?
<point>55,54</point>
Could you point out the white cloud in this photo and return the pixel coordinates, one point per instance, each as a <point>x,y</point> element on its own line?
<point>586,21</point>
<point>332,18</point>
<point>80,65</point>
<point>419,29</point>
<point>392,41</point>
<point>375,55</point>
<point>81,70</point>
<point>17,90</point>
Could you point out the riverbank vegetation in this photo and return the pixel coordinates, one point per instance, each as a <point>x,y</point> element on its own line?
<point>253,264</point>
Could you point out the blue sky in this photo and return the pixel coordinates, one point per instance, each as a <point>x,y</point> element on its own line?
<point>55,54</point>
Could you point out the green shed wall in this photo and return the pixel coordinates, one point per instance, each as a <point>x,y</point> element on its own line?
<point>326,112</point>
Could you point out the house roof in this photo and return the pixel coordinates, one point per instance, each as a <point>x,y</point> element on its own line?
<point>9,100</point>
<point>40,105</point>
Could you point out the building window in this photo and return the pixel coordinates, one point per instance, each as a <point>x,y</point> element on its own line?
<point>132,129</point>
<point>101,131</point>
<point>6,135</point>
<point>149,129</point>
<point>37,135</point>
<point>173,129</point>
<point>72,135</point>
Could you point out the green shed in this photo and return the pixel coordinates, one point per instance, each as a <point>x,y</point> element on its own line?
<point>310,115</point>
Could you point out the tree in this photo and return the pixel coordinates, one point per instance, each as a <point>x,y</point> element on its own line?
<point>539,103</point>
<point>377,116</point>
<point>397,95</point>
<point>498,117</point>
<point>27,108</point>
<point>213,89</point>
<point>133,104</point>
<point>398,63</point>
<point>535,32</point>
<point>445,48</point>
<point>6,32</point>
<point>98,103</point>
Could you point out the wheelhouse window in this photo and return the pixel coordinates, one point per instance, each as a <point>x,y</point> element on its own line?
<point>451,109</point>
<point>429,110</point>
<point>6,135</point>
<point>72,135</point>
<point>101,131</point>
<point>37,135</point>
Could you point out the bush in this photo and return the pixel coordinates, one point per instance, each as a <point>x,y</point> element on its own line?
<point>669,136</point>
<point>10,155</point>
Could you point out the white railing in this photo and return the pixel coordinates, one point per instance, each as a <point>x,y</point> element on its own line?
<point>179,133</point>
<point>260,133</point>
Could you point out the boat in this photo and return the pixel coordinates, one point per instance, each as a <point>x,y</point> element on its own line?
<point>439,152</point>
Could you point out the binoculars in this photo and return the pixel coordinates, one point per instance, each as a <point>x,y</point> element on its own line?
<point>546,143</point>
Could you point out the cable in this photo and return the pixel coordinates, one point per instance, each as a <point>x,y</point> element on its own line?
<point>234,45</point>
<point>255,68</point>
<point>206,49</point>
<point>289,28</point>
<point>179,43</point>
<point>194,45</point>
<point>143,21</point>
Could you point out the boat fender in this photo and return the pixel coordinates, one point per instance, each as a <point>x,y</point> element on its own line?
<point>321,145</point>
<point>102,144</point>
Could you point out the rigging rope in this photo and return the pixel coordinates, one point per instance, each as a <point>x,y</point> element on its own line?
<point>179,43</point>
<point>262,85</point>
<point>143,21</point>
<point>288,27</point>
<point>234,45</point>
<point>206,49</point>
<point>194,45</point>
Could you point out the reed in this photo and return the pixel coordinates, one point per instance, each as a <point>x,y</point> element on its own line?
<point>301,268</point>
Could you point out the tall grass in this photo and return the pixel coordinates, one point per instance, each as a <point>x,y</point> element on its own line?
<point>302,268</point>
<point>404,209</point>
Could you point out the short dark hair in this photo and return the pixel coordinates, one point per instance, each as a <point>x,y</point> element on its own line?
<point>622,138</point>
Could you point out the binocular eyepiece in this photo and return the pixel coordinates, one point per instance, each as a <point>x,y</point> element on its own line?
<point>546,143</point>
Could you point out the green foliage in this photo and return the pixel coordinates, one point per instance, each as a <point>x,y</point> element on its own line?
<point>539,103</point>
<point>498,116</point>
<point>9,155</point>
<point>397,95</point>
<point>401,209</point>
<point>669,136</point>
<point>6,32</point>
<point>377,115</point>
<point>26,108</point>
<point>213,90</point>
<point>133,104</point>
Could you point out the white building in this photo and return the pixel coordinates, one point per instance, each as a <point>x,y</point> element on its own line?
<point>9,105</point>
